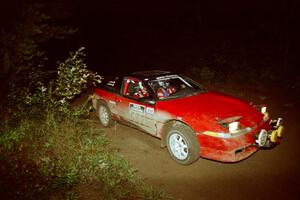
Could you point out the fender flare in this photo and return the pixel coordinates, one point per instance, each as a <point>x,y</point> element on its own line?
<point>96,99</point>
<point>165,128</point>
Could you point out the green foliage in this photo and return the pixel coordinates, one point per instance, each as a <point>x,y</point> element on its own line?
<point>69,150</point>
<point>72,152</point>
<point>33,29</point>
<point>151,192</point>
<point>56,96</point>
<point>79,153</point>
<point>73,78</point>
<point>21,48</point>
<point>65,149</point>
<point>9,136</point>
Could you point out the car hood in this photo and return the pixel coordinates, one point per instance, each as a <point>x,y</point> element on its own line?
<point>203,110</point>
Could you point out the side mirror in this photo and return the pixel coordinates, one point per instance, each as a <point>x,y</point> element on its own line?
<point>148,100</point>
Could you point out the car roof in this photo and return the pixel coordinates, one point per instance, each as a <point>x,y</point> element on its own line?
<point>150,73</point>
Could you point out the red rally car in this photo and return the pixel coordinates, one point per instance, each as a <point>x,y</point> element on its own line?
<point>190,120</point>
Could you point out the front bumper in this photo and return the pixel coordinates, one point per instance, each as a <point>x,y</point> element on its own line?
<point>227,149</point>
<point>275,133</point>
<point>236,148</point>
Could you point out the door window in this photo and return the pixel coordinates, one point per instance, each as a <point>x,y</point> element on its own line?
<point>134,88</point>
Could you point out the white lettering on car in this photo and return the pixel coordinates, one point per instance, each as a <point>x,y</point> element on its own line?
<point>150,110</point>
<point>136,108</point>
<point>166,77</point>
<point>137,113</point>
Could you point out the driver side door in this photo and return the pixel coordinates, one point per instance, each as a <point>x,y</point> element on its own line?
<point>133,109</point>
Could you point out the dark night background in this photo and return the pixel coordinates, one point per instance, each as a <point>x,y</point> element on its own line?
<point>251,42</point>
<point>133,35</point>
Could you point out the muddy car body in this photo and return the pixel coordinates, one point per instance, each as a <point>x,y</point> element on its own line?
<point>190,120</point>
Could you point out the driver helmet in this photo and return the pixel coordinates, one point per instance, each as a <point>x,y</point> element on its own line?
<point>161,83</point>
<point>141,85</point>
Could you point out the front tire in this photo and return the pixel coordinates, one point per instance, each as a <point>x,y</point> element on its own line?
<point>104,114</point>
<point>182,143</point>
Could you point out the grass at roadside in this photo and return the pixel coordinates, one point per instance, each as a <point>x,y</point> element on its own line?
<point>47,158</point>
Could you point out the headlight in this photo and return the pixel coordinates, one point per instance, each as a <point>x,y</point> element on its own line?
<point>233,126</point>
<point>263,109</point>
<point>262,138</point>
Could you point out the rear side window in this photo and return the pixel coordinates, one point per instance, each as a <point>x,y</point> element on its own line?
<point>134,88</point>
<point>113,85</point>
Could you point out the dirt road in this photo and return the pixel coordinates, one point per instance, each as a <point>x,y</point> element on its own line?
<point>268,174</point>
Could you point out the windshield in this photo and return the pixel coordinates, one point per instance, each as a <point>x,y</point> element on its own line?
<point>174,86</point>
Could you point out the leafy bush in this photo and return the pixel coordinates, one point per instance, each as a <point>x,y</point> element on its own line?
<point>56,96</point>
<point>71,152</point>
<point>10,136</point>
<point>24,57</point>
<point>73,78</point>
<point>46,138</point>
<point>66,149</point>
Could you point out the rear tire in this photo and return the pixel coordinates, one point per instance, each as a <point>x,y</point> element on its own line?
<point>104,114</point>
<point>182,143</point>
